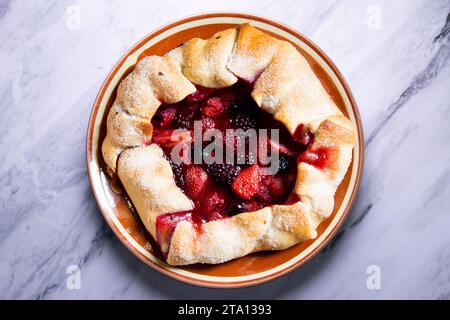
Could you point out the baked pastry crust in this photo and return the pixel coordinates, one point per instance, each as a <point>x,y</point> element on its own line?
<point>284,85</point>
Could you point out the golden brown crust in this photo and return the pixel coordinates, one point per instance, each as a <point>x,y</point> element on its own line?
<point>271,228</point>
<point>317,186</point>
<point>253,52</point>
<point>154,80</point>
<point>148,180</point>
<point>204,62</point>
<point>285,86</point>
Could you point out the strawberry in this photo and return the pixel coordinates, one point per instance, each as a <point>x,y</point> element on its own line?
<point>196,180</point>
<point>247,182</point>
<point>213,206</point>
<point>213,107</point>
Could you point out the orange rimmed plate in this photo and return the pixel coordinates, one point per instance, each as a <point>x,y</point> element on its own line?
<point>118,210</point>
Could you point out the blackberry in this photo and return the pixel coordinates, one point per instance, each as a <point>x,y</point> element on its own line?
<point>244,121</point>
<point>222,172</point>
<point>238,206</point>
<point>248,157</point>
<point>234,105</point>
<point>185,121</point>
<point>177,170</point>
<point>283,164</point>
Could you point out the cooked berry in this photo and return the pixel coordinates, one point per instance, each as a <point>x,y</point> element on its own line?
<point>165,116</point>
<point>169,138</point>
<point>165,225</point>
<point>263,192</point>
<point>238,206</point>
<point>215,202</point>
<point>246,184</point>
<point>277,187</point>
<point>207,123</point>
<point>222,172</point>
<point>302,135</point>
<point>283,164</point>
<point>221,190</point>
<point>234,105</point>
<point>244,121</point>
<point>196,180</point>
<point>177,170</point>
<point>185,120</point>
<point>235,207</point>
<point>248,157</point>
<point>213,107</point>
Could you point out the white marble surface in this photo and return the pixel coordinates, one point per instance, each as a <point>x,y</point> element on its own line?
<point>398,68</point>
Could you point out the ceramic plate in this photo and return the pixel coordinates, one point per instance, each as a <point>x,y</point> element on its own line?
<point>118,210</point>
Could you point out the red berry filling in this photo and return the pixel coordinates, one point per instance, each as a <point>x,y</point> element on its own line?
<point>321,157</point>
<point>220,190</point>
<point>165,226</point>
<point>246,183</point>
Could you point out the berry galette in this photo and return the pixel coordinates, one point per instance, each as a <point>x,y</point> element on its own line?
<point>227,146</point>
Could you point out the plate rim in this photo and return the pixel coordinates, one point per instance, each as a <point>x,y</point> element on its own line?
<point>276,24</point>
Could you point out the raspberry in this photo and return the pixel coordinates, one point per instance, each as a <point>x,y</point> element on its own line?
<point>244,121</point>
<point>196,180</point>
<point>207,123</point>
<point>213,107</point>
<point>222,172</point>
<point>247,182</point>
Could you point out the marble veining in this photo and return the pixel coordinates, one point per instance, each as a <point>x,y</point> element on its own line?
<point>54,56</point>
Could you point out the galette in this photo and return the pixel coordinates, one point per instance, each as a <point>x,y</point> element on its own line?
<point>227,146</point>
